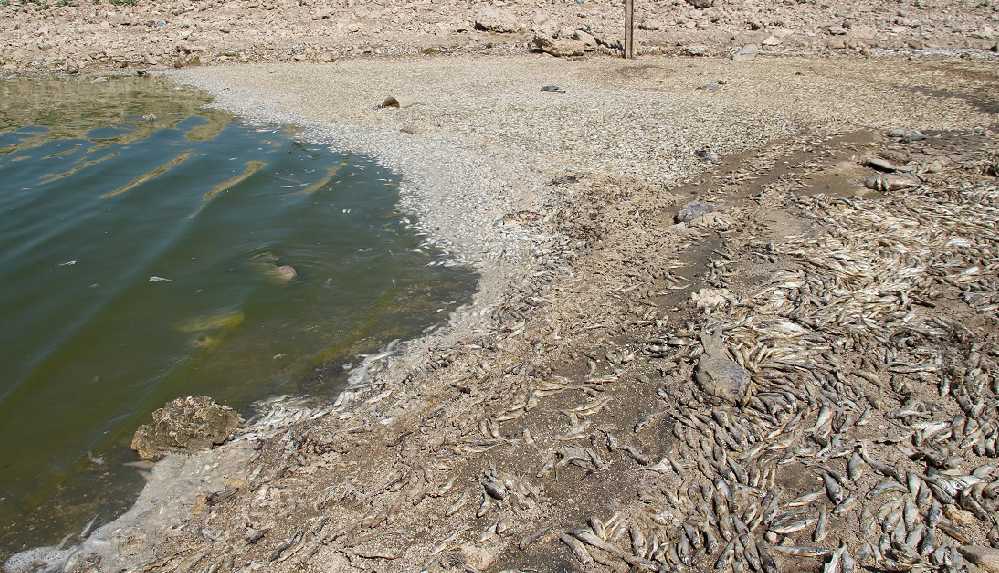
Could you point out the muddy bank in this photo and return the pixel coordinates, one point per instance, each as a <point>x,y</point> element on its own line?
<point>750,388</point>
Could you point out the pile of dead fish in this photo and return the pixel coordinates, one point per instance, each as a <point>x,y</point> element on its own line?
<point>868,433</point>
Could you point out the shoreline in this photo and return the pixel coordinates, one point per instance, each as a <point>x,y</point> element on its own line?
<point>522,269</point>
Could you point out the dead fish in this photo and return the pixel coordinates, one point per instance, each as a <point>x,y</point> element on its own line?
<point>820,525</point>
<point>853,469</point>
<point>801,550</point>
<point>833,489</point>
<point>792,526</point>
<point>577,547</point>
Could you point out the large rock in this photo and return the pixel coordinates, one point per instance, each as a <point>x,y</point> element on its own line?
<point>185,424</point>
<point>493,19</point>
<point>717,375</point>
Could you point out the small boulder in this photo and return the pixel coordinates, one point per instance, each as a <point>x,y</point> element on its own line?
<point>185,424</point>
<point>717,375</point>
<point>701,4</point>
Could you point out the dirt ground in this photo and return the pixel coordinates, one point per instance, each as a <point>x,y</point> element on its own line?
<point>800,376</point>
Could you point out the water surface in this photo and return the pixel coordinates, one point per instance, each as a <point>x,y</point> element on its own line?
<point>145,253</point>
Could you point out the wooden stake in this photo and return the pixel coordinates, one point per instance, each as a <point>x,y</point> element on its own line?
<point>629,29</point>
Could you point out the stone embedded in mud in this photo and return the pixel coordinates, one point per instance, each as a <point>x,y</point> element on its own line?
<point>717,375</point>
<point>693,210</point>
<point>190,423</point>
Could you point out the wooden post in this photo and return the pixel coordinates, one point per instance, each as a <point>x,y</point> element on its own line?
<point>629,29</point>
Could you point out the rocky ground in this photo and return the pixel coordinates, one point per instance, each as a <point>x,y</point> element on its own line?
<point>752,327</point>
<point>73,35</point>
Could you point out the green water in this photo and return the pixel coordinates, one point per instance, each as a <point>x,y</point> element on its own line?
<point>140,241</point>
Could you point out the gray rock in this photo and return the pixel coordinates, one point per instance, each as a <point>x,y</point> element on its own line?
<point>717,375</point>
<point>693,210</point>
<point>552,89</point>
<point>701,4</point>
<point>390,101</point>
<point>186,424</point>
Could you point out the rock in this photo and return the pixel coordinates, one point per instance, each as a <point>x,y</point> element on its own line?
<point>491,19</point>
<point>745,53</point>
<point>717,375</point>
<point>985,558</point>
<point>191,423</point>
<point>389,102</point>
<point>552,89</point>
<point>693,210</point>
<point>995,47</point>
<point>701,4</point>
<point>284,273</point>
<point>558,48</point>
<point>771,40</point>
